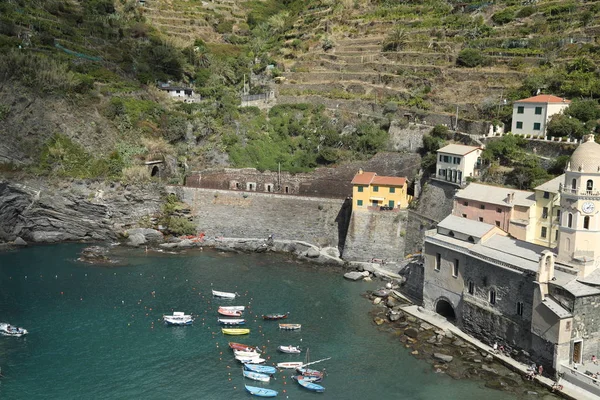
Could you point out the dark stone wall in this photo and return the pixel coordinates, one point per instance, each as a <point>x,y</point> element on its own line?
<point>586,325</point>
<point>413,286</point>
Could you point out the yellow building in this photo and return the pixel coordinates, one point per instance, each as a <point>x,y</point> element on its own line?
<point>547,213</point>
<point>372,192</point>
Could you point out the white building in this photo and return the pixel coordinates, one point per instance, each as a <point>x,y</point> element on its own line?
<point>457,162</point>
<point>178,92</point>
<point>530,116</point>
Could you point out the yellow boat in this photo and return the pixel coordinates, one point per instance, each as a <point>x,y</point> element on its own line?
<point>235,331</point>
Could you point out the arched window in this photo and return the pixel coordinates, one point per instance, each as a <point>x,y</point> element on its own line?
<point>589,185</point>
<point>586,222</point>
<point>574,184</point>
<point>570,220</point>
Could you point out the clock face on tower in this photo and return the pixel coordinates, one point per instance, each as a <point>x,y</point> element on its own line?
<point>587,207</point>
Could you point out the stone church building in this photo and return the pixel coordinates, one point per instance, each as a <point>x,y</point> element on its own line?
<point>521,295</point>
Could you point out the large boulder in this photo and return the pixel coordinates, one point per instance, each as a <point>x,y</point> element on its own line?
<point>443,357</point>
<point>137,239</point>
<point>312,253</point>
<point>150,235</point>
<point>20,242</point>
<point>412,333</point>
<point>353,276</point>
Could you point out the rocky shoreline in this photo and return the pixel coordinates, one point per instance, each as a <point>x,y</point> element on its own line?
<point>447,353</point>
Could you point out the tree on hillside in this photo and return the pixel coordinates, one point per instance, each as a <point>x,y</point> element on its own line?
<point>506,150</point>
<point>396,40</point>
<point>584,110</point>
<point>470,58</point>
<point>561,125</point>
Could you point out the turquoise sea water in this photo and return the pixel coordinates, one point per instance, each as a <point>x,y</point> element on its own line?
<point>96,332</point>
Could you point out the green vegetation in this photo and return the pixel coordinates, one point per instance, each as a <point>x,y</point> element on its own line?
<point>172,218</point>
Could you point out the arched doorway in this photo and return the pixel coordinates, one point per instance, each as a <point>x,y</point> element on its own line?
<point>444,308</point>
<point>155,171</point>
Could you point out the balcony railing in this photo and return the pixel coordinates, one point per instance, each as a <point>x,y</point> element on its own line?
<point>580,191</point>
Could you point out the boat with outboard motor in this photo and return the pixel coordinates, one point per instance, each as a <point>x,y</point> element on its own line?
<point>231,321</point>
<point>290,349</point>
<point>224,295</point>
<point>263,369</point>
<point>11,330</point>
<point>178,318</point>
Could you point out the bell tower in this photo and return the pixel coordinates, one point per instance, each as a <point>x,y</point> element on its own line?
<point>579,231</point>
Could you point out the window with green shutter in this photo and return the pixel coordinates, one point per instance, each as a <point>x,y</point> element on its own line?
<point>360,189</point>
<point>376,188</point>
<point>359,203</point>
<point>392,190</point>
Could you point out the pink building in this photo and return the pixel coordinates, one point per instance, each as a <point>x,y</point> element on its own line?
<point>511,210</point>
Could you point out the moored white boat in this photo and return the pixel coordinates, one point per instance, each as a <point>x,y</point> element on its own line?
<point>289,349</point>
<point>257,376</point>
<point>178,318</point>
<point>11,330</point>
<point>224,295</point>
<point>231,321</point>
<point>290,327</point>
<point>290,364</point>
<point>243,353</point>
<point>250,360</point>
<point>233,308</point>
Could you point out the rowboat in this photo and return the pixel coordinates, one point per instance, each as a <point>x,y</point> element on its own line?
<point>261,392</point>
<point>308,384</point>
<point>243,353</point>
<point>229,313</point>
<point>235,331</point>
<point>231,321</point>
<point>263,369</point>
<point>289,349</point>
<point>178,318</point>
<point>290,327</point>
<point>224,295</point>
<point>290,364</point>
<point>275,316</point>
<point>244,347</point>
<point>250,360</point>
<point>257,376</point>
<point>233,308</point>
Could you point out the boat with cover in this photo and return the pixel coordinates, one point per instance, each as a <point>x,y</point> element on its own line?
<point>244,347</point>
<point>256,376</point>
<point>290,364</point>
<point>231,321</point>
<point>11,330</point>
<point>261,392</point>
<point>312,373</point>
<point>243,353</point>
<point>289,349</point>
<point>308,384</point>
<point>263,369</point>
<point>229,313</point>
<point>276,316</point>
<point>290,327</point>
<point>233,308</point>
<point>250,360</point>
<point>235,331</point>
<point>178,318</point>
<point>224,295</point>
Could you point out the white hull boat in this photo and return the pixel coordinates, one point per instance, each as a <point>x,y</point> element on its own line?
<point>242,353</point>
<point>231,321</point>
<point>257,376</point>
<point>224,295</point>
<point>11,330</point>
<point>178,318</point>
<point>289,349</point>
<point>250,360</point>
<point>233,308</point>
<point>290,364</point>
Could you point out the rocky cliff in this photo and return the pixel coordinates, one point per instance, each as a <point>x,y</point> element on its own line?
<point>39,211</point>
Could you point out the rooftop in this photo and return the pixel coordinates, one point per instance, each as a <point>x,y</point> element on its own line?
<point>496,195</point>
<point>458,149</point>
<point>465,226</point>
<point>544,98</point>
<point>552,185</point>
<point>371,178</point>
<point>586,157</point>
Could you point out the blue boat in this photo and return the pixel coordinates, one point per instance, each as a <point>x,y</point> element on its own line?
<point>261,392</point>
<point>309,385</point>
<point>257,376</point>
<point>263,369</point>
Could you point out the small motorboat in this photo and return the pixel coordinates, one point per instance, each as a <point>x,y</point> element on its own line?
<point>290,364</point>
<point>250,360</point>
<point>233,308</point>
<point>11,330</point>
<point>235,331</point>
<point>308,384</point>
<point>229,313</point>
<point>244,347</point>
<point>231,321</point>
<point>263,369</point>
<point>311,373</point>
<point>243,353</point>
<point>289,349</point>
<point>257,376</point>
<point>261,392</point>
<point>178,318</point>
<point>290,327</point>
<point>275,316</point>
<point>308,378</point>
<point>224,295</point>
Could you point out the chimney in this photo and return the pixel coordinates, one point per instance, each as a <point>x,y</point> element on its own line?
<point>510,197</point>
<point>360,171</point>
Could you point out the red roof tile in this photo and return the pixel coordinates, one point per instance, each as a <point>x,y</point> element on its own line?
<point>544,98</point>
<point>368,178</point>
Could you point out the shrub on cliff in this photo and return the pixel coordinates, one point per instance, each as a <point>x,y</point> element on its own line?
<point>470,58</point>
<point>181,226</point>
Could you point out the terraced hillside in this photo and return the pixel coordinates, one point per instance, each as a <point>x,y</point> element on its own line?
<point>434,56</point>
